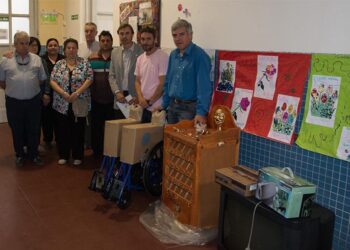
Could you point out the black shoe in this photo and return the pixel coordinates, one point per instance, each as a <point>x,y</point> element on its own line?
<point>37,161</point>
<point>19,161</point>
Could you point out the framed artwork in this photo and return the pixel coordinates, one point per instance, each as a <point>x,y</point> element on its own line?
<point>141,13</point>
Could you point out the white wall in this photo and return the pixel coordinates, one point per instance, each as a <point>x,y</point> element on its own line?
<point>75,28</point>
<point>311,26</point>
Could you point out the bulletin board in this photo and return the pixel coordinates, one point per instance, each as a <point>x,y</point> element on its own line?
<point>141,13</point>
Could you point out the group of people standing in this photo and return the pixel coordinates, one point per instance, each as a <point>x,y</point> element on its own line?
<point>96,76</point>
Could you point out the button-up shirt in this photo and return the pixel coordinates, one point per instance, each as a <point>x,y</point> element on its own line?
<point>127,54</point>
<point>22,76</point>
<point>188,78</point>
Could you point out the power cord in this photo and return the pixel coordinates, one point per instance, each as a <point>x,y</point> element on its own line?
<point>252,225</point>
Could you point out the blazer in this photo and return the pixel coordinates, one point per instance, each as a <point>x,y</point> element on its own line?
<point>116,70</point>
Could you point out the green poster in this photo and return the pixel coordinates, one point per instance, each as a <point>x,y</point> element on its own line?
<point>326,123</point>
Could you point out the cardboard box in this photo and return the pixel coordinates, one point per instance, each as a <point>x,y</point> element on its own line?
<point>138,140</point>
<point>113,135</point>
<point>289,195</point>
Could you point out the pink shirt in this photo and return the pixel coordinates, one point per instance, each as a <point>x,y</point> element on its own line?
<point>149,69</point>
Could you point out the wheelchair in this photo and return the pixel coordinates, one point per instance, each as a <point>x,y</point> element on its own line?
<point>135,163</point>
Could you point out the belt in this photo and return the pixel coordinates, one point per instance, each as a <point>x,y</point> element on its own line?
<point>178,101</point>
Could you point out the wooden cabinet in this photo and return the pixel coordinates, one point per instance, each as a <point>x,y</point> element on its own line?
<point>190,161</point>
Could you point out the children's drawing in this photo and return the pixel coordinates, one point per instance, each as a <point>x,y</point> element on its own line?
<point>227,76</point>
<point>343,150</point>
<point>241,104</point>
<point>323,100</point>
<point>266,77</point>
<point>284,118</point>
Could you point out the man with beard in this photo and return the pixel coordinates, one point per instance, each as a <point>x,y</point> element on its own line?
<point>150,73</point>
<point>123,61</point>
<point>102,98</point>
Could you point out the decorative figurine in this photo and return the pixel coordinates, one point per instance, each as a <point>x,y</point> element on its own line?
<point>219,118</point>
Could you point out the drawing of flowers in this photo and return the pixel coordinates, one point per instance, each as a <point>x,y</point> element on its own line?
<point>284,118</point>
<point>268,74</point>
<point>241,106</point>
<point>323,101</point>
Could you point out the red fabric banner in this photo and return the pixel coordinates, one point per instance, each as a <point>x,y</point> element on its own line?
<point>291,70</point>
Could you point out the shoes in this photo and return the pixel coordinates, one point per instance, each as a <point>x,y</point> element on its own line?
<point>62,161</point>
<point>19,161</point>
<point>77,162</point>
<point>37,161</point>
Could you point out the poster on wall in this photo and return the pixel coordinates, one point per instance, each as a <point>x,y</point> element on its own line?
<point>141,13</point>
<point>284,118</point>
<point>326,121</point>
<point>241,106</point>
<point>266,77</point>
<point>261,82</point>
<point>323,100</point>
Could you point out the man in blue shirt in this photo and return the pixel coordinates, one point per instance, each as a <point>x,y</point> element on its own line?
<point>21,76</point>
<point>187,86</point>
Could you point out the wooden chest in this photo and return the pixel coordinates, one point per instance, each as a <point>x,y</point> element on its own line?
<point>189,187</point>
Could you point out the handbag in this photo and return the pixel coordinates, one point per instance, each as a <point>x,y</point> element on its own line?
<point>80,107</point>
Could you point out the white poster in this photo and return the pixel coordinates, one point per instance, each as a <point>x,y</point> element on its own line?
<point>324,100</point>
<point>227,76</point>
<point>284,118</point>
<point>241,104</point>
<point>266,77</point>
<point>343,150</point>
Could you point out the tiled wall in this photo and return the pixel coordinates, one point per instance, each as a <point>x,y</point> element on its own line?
<point>332,176</point>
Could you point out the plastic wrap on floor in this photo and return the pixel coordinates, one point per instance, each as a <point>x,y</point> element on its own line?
<point>162,224</point>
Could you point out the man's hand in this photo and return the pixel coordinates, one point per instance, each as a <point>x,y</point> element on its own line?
<point>8,54</point>
<point>143,103</point>
<point>200,119</point>
<point>46,99</point>
<point>120,97</point>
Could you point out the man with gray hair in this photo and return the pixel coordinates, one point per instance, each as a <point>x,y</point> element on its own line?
<point>187,86</point>
<point>21,76</point>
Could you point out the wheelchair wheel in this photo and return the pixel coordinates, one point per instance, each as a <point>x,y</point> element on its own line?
<point>153,170</point>
<point>124,200</point>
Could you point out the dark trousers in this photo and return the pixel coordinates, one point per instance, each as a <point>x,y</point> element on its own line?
<point>70,135</point>
<point>100,113</point>
<point>146,116</point>
<point>47,122</point>
<point>181,111</point>
<point>24,119</point>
